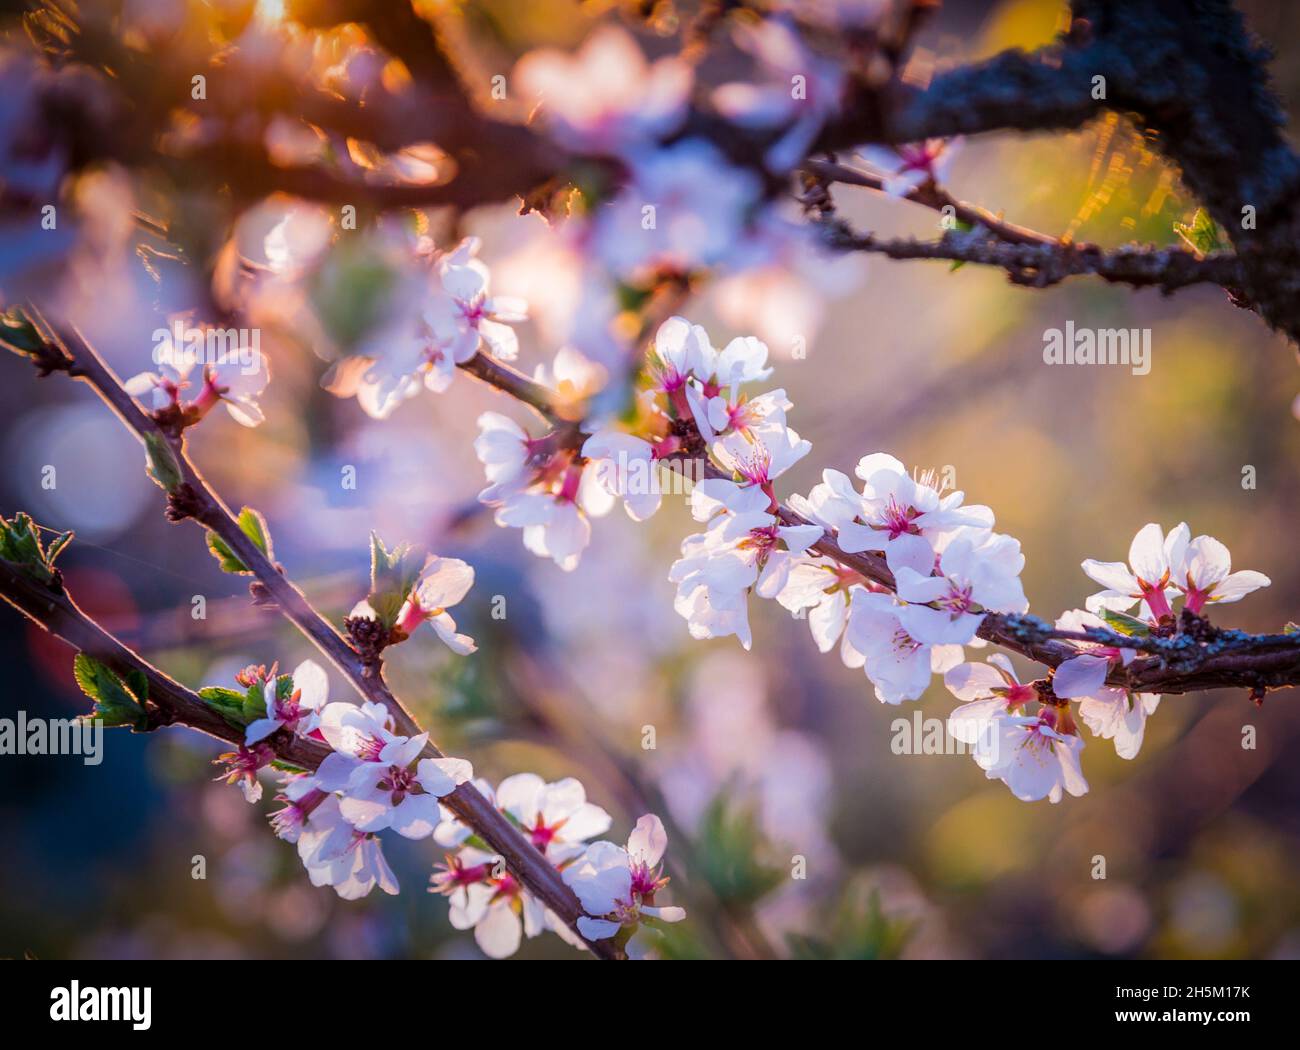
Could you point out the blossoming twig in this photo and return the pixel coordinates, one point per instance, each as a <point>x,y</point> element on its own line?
<point>190,496</point>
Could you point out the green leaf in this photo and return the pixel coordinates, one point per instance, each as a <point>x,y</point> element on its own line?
<point>253,525</point>
<point>733,852</point>
<point>161,462</point>
<point>114,703</point>
<point>1202,234</point>
<point>393,574</point>
<point>20,543</point>
<point>1125,624</point>
<point>254,706</point>
<point>228,703</point>
<point>226,558</point>
<point>19,334</point>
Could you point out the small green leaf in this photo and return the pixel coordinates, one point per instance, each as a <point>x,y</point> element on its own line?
<point>114,703</point>
<point>252,525</point>
<point>393,575</point>
<point>20,543</point>
<point>228,703</point>
<point>19,334</point>
<point>1202,234</point>
<point>1125,624</point>
<point>161,462</point>
<point>226,558</point>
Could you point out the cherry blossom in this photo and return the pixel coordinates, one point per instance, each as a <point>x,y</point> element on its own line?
<point>441,313</point>
<point>626,467</point>
<point>978,573</point>
<point>702,209</point>
<point>1146,578</point>
<point>898,665</point>
<point>745,547</point>
<point>616,886</point>
<point>989,692</point>
<point>298,711</point>
<point>1203,572</point>
<point>606,98</point>
<point>1037,757</point>
<point>337,854</point>
<point>548,493</point>
<point>237,380</point>
<point>784,56</point>
<point>384,782</point>
<point>1119,715</point>
<point>485,897</point>
<point>241,766</point>
<point>443,583</point>
<point>821,590</point>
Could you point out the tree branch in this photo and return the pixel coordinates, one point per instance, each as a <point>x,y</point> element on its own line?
<point>206,507</point>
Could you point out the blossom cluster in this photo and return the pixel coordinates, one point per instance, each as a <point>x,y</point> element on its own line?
<point>377,779</point>
<point>616,885</point>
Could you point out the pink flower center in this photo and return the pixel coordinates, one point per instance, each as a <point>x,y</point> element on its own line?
<point>957,600</point>
<point>401,782</point>
<point>897,520</point>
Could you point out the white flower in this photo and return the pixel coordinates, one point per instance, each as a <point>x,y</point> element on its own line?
<point>1203,572</point>
<point>337,854</point>
<point>979,572</point>
<point>1145,578</point>
<point>485,897</point>
<point>238,385</point>
<point>990,693</point>
<point>1116,714</point>
<point>445,581</point>
<point>617,886</point>
<point>681,351</point>
<point>904,517</point>
<point>625,466</point>
<point>396,788</point>
<point>461,314</point>
<point>555,817</point>
<point>898,665</point>
<point>237,380</point>
<point>298,711</point>
<point>437,316</point>
<point>760,456</point>
<point>820,590</point>
<point>746,546</point>
<point>784,56</point>
<point>1034,759</point>
<point>301,795</point>
<point>547,492</point>
<point>606,97</point>
<point>911,166</point>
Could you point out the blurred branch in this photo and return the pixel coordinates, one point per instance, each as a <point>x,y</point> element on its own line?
<point>192,497</point>
<point>1040,265</point>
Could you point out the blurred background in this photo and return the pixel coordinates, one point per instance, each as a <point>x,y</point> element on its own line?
<point>759,757</point>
